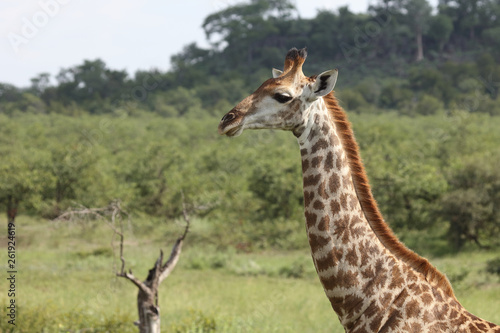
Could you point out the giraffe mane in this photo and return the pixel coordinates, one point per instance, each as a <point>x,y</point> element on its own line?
<point>369,205</point>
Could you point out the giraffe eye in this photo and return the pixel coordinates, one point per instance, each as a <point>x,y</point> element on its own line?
<point>282,98</point>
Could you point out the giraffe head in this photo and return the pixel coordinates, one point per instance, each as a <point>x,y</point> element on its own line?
<point>282,101</point>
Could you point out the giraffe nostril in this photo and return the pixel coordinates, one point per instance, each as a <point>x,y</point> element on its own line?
<point>228,117</point>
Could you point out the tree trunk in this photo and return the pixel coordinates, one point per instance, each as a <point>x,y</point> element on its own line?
<point>149,312</point>
<point>12,204</point>
<point>420,47</point>
<point>149,321</point>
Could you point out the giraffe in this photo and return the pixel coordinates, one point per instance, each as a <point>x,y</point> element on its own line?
<point>373,282</point>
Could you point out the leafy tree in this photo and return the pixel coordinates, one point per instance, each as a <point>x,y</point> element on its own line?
<point>394,31</point>
<point>25,102</point>
<point>149,179</point>
<point>9,93</point>
<point>326,24</point>
<point>440,29</point>
<point>232,90</point>
<point>353,43</point>
<point>471,206</point>
<point>246,30</point>
<point>40,83</point>
<point>24,171</point>
<point>190,65</point>
<point>418,13</point>
<point>430,81</point>
<point>190,55</point>
<point>73,170</point>
<point>370,88</point>
<point>277,190</point>
<point>22,182</point>
<point>90,80</point>
<point>352,100</point>
<point>179,102</point>
<point>239,19</point>
<point>394,96</point>
<point>469,17</point>
<point>489,74</point>
<point>427,105</point>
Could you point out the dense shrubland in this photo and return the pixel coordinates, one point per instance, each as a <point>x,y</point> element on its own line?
<point>437,173</point>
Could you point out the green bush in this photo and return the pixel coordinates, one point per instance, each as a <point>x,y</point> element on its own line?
<point>209,259</point>
<point>428,105</point>
<point>196,322</point>
<point>352,100</point>
<point>493,266</point>
<point>470,204</point>
<point>102,251</point>
<point>393,96</point>
<point>296,270</point>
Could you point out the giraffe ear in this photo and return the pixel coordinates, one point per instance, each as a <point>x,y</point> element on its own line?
<point>276,73</point>
<point>325,82</point>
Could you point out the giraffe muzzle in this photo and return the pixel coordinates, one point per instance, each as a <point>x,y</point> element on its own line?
<point>230,124</point>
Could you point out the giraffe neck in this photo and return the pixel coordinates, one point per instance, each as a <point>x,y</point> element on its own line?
<point>373,282</point>
<point>346,252</point>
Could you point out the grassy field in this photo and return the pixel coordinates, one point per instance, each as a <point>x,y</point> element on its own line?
<point>66,283</point>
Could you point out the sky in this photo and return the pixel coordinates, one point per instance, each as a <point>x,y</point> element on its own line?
<point>39,36</point>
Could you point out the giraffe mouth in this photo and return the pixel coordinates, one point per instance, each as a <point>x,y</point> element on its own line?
<point>231,125</point>
<point>231,131</point>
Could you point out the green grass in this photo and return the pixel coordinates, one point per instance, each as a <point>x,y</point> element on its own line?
<point>66,283</point>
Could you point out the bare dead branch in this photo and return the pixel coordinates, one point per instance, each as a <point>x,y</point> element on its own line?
<point>170,264</point>
<point>72,214</point>
<point>117,211</point>
<point>129,276</point>
<point>115,214</point>
<point>113,209</point>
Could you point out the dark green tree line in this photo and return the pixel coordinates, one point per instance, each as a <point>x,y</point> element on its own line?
<point>395,39</point>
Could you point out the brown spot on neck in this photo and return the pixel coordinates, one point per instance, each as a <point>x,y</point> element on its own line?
<point>321,144</point>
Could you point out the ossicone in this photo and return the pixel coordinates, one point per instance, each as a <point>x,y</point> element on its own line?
<point>294,60</point>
